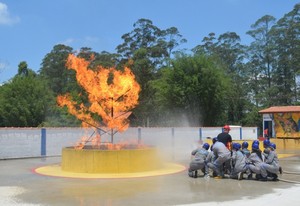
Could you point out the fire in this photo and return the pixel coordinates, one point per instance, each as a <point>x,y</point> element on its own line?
<point>111,94</point>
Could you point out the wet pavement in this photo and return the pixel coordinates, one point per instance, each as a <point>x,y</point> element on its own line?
<point>19,185</point>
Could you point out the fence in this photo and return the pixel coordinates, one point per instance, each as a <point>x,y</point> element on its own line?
<point>175,142</point>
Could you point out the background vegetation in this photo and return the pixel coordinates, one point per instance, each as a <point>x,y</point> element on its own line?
<point>219,81</point>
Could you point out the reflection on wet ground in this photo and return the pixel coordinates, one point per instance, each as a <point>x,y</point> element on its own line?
<point>20,185</point>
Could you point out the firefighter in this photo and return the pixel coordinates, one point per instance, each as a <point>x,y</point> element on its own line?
<point>222,155</point>
<point>238,162</point>
<point>198,162</point>
<point>225,137</point>
<point>271,164</point>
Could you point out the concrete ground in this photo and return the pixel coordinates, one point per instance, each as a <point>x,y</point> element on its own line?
<point>19,185</point>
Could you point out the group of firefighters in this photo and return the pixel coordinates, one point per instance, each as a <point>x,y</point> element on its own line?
<point>235,159</point>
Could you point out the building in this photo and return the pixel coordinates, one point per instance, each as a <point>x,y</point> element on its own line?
<point>281,122</point>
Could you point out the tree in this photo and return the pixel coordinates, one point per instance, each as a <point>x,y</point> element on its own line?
<point>53,70</point>
<point>194,88</point>
<point>227,51</point>
<point>150,49</point>
<point>171,38</point>
<point>104,58</point>
<point>287,66</point>
<point>23,69</point>
<point>208,47</point>
<point>261,59</point>
<point>24,100</point>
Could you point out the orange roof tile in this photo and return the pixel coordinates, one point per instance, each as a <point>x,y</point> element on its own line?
<point>281,109</point>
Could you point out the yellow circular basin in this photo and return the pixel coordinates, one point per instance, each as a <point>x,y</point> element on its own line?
<point>110,161</point>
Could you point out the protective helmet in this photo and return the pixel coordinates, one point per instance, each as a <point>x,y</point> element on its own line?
<point>232,145</point>
<point>273,145</point>
<point>245,145</point>
<point>226,127</point>
<point>214,140</point>
<point>255,146</point>
<point>236,146</point>
<point>266,143</point>
<point>206,146</point>
<point>255,142</point>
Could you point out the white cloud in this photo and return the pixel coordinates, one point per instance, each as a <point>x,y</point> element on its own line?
<point>87,41</point>
<point>68,42</point>
<point>5,17</point>
<point>3,65</point>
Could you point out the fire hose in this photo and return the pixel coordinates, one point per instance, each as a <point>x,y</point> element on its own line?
<point>290,181</point>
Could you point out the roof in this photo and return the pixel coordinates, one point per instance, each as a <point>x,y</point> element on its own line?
<point>281,109</point>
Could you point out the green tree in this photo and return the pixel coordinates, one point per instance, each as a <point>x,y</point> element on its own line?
<point>54,71</point>
<point>149,47</point>
<point>227,51</point>
<point>171,38</point>
<point>24,100</point>
<point>261,58</point>
<point>23,69</point>
<point>60,80</point>
<point>208,47</point>
<point>194,88</point>
<point>286,38</point>
<point>104,58</point>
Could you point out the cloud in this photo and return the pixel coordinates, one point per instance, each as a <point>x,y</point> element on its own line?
<point>5,17</point>
<point>68,41</point>
<point>81,42</point>
<point>3,65</point>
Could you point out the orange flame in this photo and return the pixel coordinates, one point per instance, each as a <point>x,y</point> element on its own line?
<point>111,94</point>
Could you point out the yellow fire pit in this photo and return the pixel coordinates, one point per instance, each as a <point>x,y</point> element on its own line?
<point>110,161</point>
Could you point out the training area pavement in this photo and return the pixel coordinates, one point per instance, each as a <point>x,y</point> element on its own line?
<point>21,184</point>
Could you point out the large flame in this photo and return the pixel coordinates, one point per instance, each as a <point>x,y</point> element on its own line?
<point>111,93</point>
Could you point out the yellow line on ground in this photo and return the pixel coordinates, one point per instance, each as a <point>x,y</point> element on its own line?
<point>285,155</point>
<point>55,171</point>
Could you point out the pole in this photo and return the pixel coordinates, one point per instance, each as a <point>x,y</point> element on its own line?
<point>173,142</point>
<point>139,135</point>
<point>241,133</point>
<point>112,116</point>
<point>43,142</point>
<point>200,134</point>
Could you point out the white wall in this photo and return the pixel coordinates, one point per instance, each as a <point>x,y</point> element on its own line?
<point>174,142</point>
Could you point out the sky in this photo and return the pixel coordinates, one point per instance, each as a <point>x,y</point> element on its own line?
<point>29,29</point>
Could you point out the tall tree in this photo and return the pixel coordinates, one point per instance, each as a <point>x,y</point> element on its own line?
<point>59,78</point>
<point>23,69</point>
<point>104,58</point>
<point>261,58</point>
<point>171,39</point>
<point>287,33</point>
<point>227,50</point>
<point>208,47</point>
<point>149,47</point>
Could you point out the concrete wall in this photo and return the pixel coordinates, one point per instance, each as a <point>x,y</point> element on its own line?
<point>20,142</point>
<point>174,143</point>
